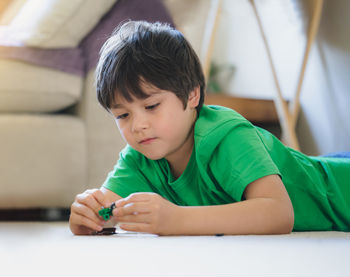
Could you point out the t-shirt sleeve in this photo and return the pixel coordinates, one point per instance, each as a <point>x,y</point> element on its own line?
<point>241,158</point>
<point>126,177</point>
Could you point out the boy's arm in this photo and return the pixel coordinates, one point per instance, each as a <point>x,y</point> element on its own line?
<point>266,210</point>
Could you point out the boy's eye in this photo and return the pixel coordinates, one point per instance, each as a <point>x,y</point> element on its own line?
<point>151,107</point>
<point>122,116</point>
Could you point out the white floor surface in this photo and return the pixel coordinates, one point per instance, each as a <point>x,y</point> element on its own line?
<point>49,249</point>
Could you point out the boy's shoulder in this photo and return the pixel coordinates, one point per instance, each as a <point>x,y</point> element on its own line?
<point>218,120</point>
<point>220,130</point>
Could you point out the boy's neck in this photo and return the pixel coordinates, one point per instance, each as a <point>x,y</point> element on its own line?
<point>179,160</point>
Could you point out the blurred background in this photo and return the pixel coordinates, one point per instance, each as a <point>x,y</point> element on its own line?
<point>323,125</point>
<point>259,57</point>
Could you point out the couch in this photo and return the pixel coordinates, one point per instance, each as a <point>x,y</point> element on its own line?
<point>55,140</point>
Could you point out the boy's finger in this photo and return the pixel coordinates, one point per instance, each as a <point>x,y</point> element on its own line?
<point>131,208</point>
<point>86,222</point>
<point>135,197</point>
<point>136,227</point>
<point>120,203</point>
<point>100,198</point>
<point>91,201</point>
<point>138,218</point>
<point>86,212</point>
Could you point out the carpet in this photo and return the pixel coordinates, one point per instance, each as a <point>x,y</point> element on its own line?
<point>49,249</point>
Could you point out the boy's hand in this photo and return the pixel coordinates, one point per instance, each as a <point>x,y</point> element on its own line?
<point>147,212</point>
<point>84,218</point>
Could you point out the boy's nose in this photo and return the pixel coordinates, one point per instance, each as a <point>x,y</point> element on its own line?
<point>139,123</point>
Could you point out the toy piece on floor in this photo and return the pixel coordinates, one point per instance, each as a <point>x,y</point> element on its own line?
<point>106,213</point>
<point>107,231</point>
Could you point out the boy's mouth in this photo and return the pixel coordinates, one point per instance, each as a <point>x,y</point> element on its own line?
<point>147,141</point>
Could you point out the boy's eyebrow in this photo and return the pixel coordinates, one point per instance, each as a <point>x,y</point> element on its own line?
<point>119,106</point>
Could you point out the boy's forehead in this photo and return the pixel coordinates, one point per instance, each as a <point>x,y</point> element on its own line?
<point>119,99</point>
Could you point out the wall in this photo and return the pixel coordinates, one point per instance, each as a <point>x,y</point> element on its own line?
<point>323,125</point>
<point>238,43</point>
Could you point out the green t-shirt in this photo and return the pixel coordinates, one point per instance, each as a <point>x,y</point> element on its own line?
<point>229,153</point>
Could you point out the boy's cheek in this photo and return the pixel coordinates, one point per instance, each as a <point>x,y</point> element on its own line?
<point>167,128</point>
<point>127,137</point>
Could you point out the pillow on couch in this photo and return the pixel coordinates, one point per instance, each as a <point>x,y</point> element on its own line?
<point>9,9</point>
<point>28,88</point>
<point>53,23</point>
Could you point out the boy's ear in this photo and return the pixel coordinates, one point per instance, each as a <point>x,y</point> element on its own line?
<point>193,99</point>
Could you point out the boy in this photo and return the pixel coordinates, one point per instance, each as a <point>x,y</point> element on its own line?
<point>190,169</point>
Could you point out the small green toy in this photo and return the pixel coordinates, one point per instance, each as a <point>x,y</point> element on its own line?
<point>106,213</point>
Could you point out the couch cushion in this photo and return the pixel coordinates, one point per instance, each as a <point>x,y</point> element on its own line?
<point>190,18</point>
<point>103,138</point>
<point>42,161</point>
<point>54,23</point>
<point>9,9</point>
<point>72,59</point>
<point>30,88</point>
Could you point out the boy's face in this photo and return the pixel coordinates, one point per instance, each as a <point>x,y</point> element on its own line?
<point>158,126</point>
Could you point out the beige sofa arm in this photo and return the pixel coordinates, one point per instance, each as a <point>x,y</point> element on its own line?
<point>103,139</point>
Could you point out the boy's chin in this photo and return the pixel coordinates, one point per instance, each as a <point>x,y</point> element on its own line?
<point>152,156</point>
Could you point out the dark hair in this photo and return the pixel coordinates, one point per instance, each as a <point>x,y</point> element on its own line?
<point>156,53</point>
